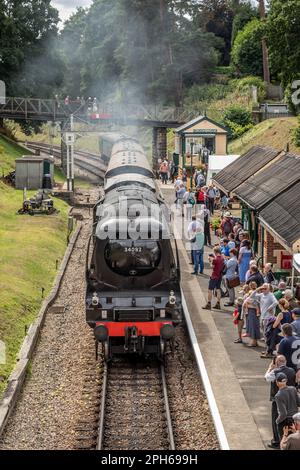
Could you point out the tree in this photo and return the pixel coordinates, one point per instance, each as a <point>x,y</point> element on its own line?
<point>216,16</point>
<point>245,13</point>
<point>247,51</point>
<point>144,50</point>
<point>70,47</point>
<point>283,32</point>
<point>28,63</point>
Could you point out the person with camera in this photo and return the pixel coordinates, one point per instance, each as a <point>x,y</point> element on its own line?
<point>277,366</point>
<point>291,435</point>
<point>287,400</point>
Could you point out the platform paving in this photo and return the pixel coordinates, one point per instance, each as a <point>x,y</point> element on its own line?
<point>236,372</point>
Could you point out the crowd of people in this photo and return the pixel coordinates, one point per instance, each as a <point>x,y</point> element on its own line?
<point>264,309</point>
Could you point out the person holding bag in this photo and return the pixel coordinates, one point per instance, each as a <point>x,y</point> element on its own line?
<point>231,276</point>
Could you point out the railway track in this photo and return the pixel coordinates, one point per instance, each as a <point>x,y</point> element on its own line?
<point>130,409</point>
<point>135,413</point>
<point>84,161</point>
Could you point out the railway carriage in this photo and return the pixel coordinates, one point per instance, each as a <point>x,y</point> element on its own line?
<point>133,299</point>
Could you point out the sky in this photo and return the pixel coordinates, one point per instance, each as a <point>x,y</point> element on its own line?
<point>67,7</point>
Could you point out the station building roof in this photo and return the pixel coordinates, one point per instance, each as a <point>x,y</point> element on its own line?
<point>198,120</point>
<point>272,180</point>
<point>244,167</point>
<point>282,215</point>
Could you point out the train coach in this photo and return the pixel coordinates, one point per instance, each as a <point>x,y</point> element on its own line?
<point>133,299</point>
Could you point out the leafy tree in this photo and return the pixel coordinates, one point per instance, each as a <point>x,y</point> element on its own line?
<point>70,46</point>
<point>245,13</point>
<point>247,49</point>
<point>29,63</point>
<point>144,50</point>
<point>216,16</point>
<point>283,32</point>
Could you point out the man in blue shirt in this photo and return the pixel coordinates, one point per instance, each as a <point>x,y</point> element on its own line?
<point>225,250</point>
<point>196,235</point>
<point>289,347</point>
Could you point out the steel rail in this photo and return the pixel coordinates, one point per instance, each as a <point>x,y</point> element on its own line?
<point>167,408</point>
<point>100,436</point>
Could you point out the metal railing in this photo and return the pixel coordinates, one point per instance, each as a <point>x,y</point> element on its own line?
<point>54,109</point>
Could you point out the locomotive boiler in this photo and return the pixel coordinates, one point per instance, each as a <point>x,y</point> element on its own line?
<point>133,299</point>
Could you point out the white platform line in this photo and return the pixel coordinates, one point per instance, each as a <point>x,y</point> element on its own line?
<point>205,379</point>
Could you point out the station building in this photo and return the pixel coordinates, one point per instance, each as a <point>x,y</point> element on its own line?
<point>267,184</point>
<point>198,134</point>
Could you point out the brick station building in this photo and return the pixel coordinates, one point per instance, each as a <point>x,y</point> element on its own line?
<point>267,184</point>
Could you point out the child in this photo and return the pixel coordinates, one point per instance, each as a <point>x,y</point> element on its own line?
<point>238,319</point>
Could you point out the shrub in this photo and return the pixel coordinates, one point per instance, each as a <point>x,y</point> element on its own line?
<point>236,130</point>
<point>244,85</point>
<point>238,120</point>
<point>296,134</point>
<point>238,115</point>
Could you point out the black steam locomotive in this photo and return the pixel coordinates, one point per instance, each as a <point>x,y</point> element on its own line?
<point>133,299</point>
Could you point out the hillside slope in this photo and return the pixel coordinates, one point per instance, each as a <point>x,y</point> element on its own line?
<point>276,133</point>
<point>29,248</point>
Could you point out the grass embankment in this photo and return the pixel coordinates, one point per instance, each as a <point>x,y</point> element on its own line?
<point>29,248</point>
<point>276,133</point>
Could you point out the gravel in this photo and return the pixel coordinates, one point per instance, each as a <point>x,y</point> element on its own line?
<point>45,415</point>
<point>192,422</point>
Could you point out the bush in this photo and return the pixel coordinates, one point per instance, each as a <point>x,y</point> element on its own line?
<point>238,120</point>
<point>236,131</point>
<point>238,115</point>
<point>244,85</point>
<point>246,53</point>
<point>296,134</point>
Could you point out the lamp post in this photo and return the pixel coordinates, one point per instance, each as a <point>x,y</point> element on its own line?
<point>192,152</point>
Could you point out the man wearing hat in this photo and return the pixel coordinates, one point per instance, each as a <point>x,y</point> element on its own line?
<point>296,323</point>
<point>227,225</point>
<point>291,435</point>
<point>287,401</point>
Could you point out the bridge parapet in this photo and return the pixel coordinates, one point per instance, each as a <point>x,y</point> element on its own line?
<point>55,110</point>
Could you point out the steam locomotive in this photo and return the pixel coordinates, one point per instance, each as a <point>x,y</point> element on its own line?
<point>133,299</point>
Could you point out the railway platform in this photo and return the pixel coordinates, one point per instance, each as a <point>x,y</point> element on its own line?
<point>235,372</point>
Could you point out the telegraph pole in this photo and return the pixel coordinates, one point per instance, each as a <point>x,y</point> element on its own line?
<point>262,12</point>
<point>70,139</point>
<point>72,153</point>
